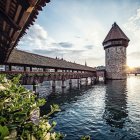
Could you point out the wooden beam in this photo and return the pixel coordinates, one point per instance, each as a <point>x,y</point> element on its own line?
<point>17,16</point>
<point>5,16</point>
<point>24,3</point>
<point>5,35</point>
<point>6,10</point>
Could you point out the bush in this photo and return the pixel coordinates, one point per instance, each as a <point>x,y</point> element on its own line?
<point>19,114</point>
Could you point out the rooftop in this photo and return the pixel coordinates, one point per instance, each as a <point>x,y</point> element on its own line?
<point>115,33</point>
<point>18,57</point>
<point>16,16</point>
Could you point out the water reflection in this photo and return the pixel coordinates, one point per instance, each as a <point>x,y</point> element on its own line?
<point>66,96</point>
<point>116,103</point>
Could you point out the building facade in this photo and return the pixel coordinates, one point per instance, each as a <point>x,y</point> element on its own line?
<point>115,45</point>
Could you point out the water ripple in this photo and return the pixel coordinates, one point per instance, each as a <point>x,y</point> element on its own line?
<point>105,112</point>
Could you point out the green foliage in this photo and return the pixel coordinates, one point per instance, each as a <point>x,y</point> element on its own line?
<point>19,114</point>
<point>85,138</point>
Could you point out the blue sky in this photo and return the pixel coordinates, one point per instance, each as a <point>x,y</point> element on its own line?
<point>75,29</point>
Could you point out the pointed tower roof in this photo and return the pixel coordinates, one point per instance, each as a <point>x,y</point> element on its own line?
<point>115,33</point>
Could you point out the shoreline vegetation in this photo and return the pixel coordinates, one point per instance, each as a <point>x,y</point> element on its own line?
<point>20,114</point>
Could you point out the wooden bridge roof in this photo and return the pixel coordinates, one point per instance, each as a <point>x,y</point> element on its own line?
<point>18,57</point>
<point>16,16</point>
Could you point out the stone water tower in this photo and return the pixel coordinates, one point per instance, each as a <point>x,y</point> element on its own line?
<point>115,45</point>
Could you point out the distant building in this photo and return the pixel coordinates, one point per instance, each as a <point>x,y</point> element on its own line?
<point>115,45</point>
<point>100,68</point>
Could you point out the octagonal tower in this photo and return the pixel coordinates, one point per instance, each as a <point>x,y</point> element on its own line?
<point>115,45</point>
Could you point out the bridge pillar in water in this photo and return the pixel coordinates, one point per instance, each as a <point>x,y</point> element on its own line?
<point>53,85</point>
<point>78,82</point>
<point>92,80</point>
<point>86,81</point>
<point>63,84</point>
<point>35,86</point>
<point>70,83</point>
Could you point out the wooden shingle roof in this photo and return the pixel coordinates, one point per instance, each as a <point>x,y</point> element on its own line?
<point>115,33</point>
<point>16,16</point>
<point>18,57</point>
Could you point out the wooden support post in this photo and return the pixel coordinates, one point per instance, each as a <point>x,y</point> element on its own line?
<point>86,81</point>
<point>30,68</point>
<point>96,79</point>
<point>34,88</point>
<point>63,84</point>
<point>53,85</point>
<point>9,20</point>
<point>10,68</point>
<point>44,69</point>
<point>24,68</point>
<point>35,83</point>
<point>91,78</point>
<point>70,83</point>
<point>78,83</point>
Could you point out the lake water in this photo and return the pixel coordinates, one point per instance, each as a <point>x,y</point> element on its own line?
<point>108,111</point>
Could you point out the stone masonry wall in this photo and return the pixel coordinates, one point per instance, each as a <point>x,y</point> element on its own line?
<point>115,62</point>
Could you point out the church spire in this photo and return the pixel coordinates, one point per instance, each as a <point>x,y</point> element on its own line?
<point>85,63</point>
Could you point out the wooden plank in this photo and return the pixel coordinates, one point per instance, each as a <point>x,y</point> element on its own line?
<point>6,10</point>
<point>5,35</point>
<point>24,3</point>
<point>5,16</point>
<point>22,23</point>
<point>16,18</point>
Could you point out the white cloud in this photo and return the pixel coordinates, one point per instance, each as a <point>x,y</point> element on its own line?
<point>37,40</point>
<point>90,31</point>
<point>132,27</point>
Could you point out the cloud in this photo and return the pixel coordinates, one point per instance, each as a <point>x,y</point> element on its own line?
<point>135,55</point>
<point>134,59</point>
<point>58,52</point>
<point>65,44</point>
<point>132,27</point>
<point>36,38</point>
<point>89,47</point>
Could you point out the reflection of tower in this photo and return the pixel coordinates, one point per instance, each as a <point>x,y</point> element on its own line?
<point>115,45</point>
<point>115,103</point>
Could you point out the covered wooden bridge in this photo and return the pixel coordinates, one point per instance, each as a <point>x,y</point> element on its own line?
<point>16,16</point>
<point>36,68</point>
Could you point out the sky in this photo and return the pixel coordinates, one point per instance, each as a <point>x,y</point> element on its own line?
<point>75,29</point>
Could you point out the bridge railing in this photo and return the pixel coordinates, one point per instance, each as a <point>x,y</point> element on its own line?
<point>30,77</point>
